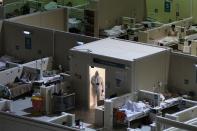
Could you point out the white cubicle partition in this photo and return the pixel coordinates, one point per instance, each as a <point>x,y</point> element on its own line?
<point>43,63</point>
<point>9,122</point>
<point>175,125</point>
<point>159,32</point>
<point>11,73</point>
<point>108,108</point>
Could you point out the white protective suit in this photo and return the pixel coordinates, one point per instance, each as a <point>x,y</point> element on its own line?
<point>98,87</point>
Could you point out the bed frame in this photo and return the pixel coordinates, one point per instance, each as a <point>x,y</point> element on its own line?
<point>114,103</point>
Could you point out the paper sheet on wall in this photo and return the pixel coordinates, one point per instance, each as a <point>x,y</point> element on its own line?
<point>120,78</point>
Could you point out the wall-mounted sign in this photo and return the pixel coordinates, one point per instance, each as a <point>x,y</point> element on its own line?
<point>167,6</point>
<point>28,42</point>
<point>120,78</point>
<point>108,63</point>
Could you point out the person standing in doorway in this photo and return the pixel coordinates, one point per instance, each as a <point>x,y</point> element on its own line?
<point>98,87</point>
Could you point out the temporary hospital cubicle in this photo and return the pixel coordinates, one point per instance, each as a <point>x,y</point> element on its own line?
<point>17,81</point>
<point>88,19</point>
<point>52,19</point>
<point>14,8</point>
<point>113,106</point>
<point>123,67</point>
<point>23,124</point>
<point>180,110</point>
<point>167,11</point>
<point>182,74</point>
<point>41,64</point>
<point>107,19</point>
<point>33,39</point>
<point>152,35</point>
<point>180,121</point>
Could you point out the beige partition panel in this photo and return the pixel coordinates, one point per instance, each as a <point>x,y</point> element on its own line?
<point>110,104</point>
<point>44,43</point>
<point>182,73</point>
<point>9,1</point>
<point>1,38</point>
<point>156,65</point>
<point>110,11</point>
<point>8,76</point>
<point>65,41</point>
<point>162,31</point>
<point>54,19</point>
<point>40,45</point>
<point>43,64</point>
<point>10,122</point>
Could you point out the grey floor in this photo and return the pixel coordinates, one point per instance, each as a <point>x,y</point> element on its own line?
<point>23,107</point>
<point>19,106</point>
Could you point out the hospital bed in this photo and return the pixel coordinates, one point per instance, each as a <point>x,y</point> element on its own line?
<point>186,115</point>
<point>131,111</point>
<point>166,104</point>
<point>152,102</point>
<point>189,122</point>
<point>158,101</point>
<point>4,65</point>
<point>11,59</point>
<point>125,109</point>
<point>17,89</point>
<point>21,85</point>
<point>114,32</point>
<point>48,80</point>
<point>7,62</point>
<point>13,90</point>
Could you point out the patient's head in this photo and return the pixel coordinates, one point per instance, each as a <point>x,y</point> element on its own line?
<point>96,73</point>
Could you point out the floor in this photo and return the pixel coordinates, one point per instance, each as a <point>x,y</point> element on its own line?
<point>144,128</point>
<point>23,107</point>
<point>19,106</point>
<point>84,115</point>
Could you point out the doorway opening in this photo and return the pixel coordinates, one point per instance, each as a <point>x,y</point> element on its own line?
<point>96,86</point>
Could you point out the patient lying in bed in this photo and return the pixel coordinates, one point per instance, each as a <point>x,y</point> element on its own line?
<point>168,100</point>
<point>131,106</point>
<point>135,110</point>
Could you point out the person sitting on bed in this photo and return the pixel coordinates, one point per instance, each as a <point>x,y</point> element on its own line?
<point>172,31</point>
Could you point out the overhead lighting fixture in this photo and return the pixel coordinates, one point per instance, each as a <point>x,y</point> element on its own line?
<point>80,43</point>
<point>26,32</point>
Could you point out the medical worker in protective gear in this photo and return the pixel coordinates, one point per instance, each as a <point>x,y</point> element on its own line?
<point>98,87</point>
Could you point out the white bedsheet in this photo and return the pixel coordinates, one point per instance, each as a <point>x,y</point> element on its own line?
<point>114,32</point>
<point>48,79</point>
<point>170,102</point>
<point>134,110</point>
<point>2,65</point>
<point>168,40</point>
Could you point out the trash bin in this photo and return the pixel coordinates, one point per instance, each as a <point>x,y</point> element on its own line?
<point>37,104</point>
